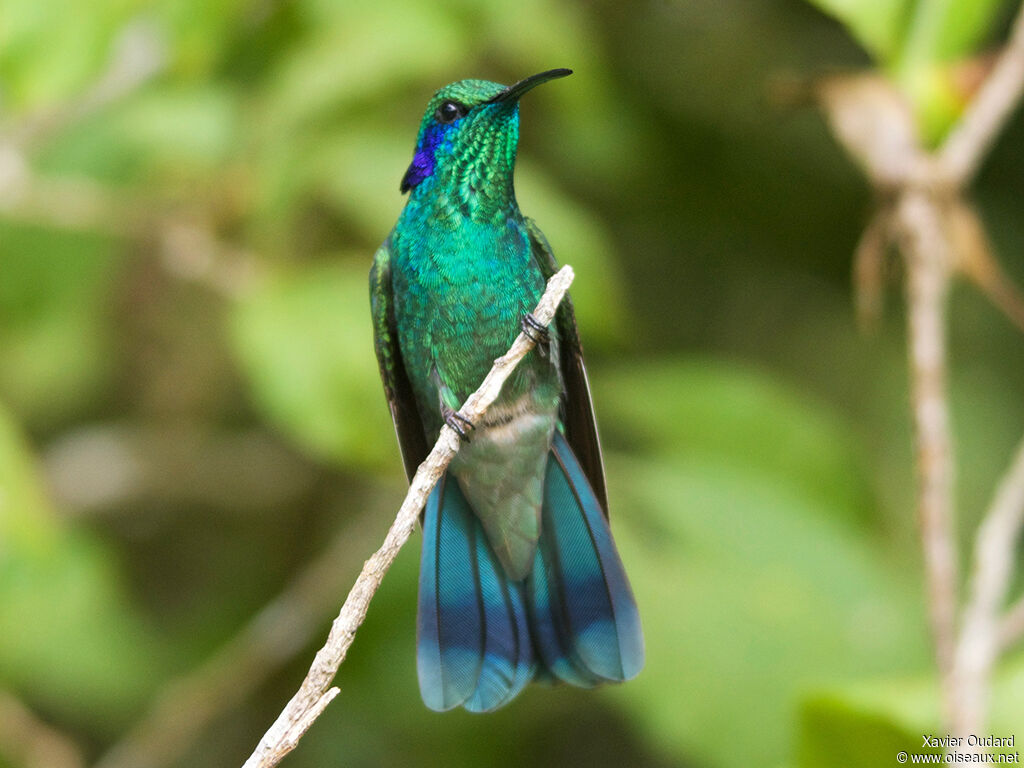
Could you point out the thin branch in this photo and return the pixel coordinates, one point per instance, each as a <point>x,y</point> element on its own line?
<point>966,146</point>
<point>926,252</point>
<point>316,692</point>
<point>194,252</point>
<point>978,263</point>
<point>934,226</point>
<point>75,204</point>
<point>1011,629</point>
<point>869,270</point>
<point>979,644</point>
<point>27,741</point>
<point>112,468</point>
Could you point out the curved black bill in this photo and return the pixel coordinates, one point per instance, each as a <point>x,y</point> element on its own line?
<point>513,92</point>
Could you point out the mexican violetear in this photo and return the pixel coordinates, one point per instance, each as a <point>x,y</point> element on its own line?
<point>519,577</point>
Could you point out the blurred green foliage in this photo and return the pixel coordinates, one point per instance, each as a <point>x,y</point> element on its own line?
<point>922,45</point>
<point>866,723</point>
<point>190,196</point>
<point>71,637</point>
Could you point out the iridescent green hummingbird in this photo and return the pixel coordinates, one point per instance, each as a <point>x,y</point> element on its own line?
<point>519,576</point>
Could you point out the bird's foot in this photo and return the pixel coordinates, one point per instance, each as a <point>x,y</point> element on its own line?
<point>536,332</point>
<point>454,419</point>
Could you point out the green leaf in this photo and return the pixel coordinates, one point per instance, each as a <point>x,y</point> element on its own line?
<point>26,523</point>
<point>364,54</point>
<point>917,43</point>
<point>709,410</point>
<point>916,33</point>
<point>162,138</point>
<point>72,642</point>
<point>199,30</point>
<point>744,518</point>
<point>749,593</point>
<point>867,723</point>
<point>54,297</point>
<point>52,49</point>
<point>838,731</point>
<point>305,344</point>
<point>196,125</point>
<point>876,24</point>
<point>939,34</point>
<point>943,31</point>
<point>358,171</point>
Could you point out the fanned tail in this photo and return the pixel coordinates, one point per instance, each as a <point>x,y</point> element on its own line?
<point>586,627</point>
<point>482,637</point>
<point>473,642</point>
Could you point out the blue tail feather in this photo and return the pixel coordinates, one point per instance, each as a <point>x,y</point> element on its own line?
<point>473,644</point>
<point>508,654</point>
<point>550,627</point>
<point>586,623</point>
<point>482,637</point>
<point>449,611</point>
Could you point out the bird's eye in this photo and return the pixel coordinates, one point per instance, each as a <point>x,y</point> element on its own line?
<point>450,111</point>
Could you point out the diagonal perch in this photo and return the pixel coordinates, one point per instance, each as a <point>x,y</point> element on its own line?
<point>316,692</point>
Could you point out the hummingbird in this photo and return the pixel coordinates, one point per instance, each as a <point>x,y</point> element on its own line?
<point>519,575</point>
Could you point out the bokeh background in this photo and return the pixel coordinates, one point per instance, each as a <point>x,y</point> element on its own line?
<point>196,457</point>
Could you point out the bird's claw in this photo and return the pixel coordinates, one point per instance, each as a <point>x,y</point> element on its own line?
<point>461,424</point>
<point>536,332</point>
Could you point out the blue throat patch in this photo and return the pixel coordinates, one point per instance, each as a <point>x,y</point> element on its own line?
<point>424,161</point>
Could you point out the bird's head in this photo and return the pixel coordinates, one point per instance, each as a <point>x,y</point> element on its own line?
<point>468,137</point>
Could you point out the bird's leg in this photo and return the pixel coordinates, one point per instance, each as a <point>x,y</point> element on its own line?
<point>457,421</point>
<point>462,425</point>
<point>536,332</point>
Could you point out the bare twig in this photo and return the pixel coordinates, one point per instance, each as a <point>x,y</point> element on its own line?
<point>76,204</point>
<point>979,642</point>
<point>926,253</point>
<point>977,262</point>
<point>939,233</point>
<point>875,124</point>
<point>982,636</point>
<point>194,252</point>
<point>869,269</point>
<point>316,692</point>
<point>113,467</point>
<point>27,741</point>
<point>991,107</point>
